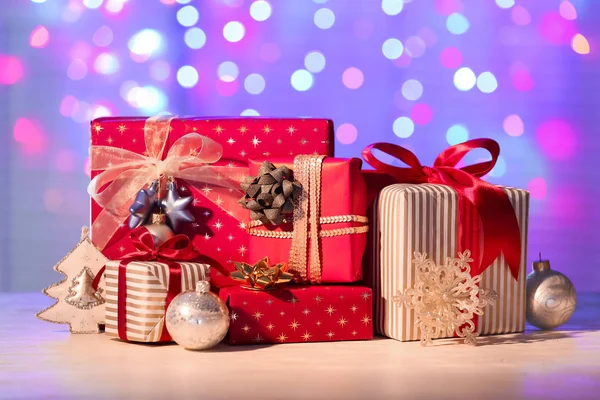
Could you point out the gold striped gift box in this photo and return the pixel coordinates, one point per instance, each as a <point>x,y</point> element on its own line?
<point>409,218</point>
<point>147,284</point>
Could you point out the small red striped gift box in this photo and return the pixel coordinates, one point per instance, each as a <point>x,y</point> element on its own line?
<point>139,292</point>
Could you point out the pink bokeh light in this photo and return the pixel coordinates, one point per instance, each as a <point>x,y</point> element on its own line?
<point>557,139</point>
<point>40,37</point>
<point>30,136</point>
<point>80,50</point>
<point>353,78</point>
<point>567,10</point>
<point>521,78</point>
<point>451,57</point>
<point>346,133</point>
<point>68,105</point>
<point>513,125</point>
<point>227,89</point>
<point>11,69</point>
<point>447,7</point>
<point>520,15</point>
<point>537,188</point>
<point>421,114</point>
<point>53,199</point>
<point>555,29</point>
<point>87,168</point>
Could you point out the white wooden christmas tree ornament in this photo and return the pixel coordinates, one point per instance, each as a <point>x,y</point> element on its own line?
<point>78,303</point>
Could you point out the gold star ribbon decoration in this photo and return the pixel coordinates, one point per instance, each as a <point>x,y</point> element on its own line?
<point>261,275</point>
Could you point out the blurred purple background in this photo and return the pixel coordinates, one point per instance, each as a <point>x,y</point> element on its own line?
<point>421,73</point>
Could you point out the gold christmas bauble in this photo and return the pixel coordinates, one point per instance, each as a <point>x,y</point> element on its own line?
<point>159,229</point>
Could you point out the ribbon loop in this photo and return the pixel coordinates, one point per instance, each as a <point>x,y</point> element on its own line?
<point>501,232</point>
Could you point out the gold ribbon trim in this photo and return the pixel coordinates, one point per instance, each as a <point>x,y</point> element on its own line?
<point>261,276</point>
<point>305,252</point>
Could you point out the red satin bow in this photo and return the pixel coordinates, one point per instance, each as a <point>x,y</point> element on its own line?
<point>177,248</point>
<point>501,232</point>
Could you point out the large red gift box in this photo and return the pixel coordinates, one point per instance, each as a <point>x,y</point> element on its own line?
<point>342,226</point>
<point>299,314</point>
<point>220,237</point>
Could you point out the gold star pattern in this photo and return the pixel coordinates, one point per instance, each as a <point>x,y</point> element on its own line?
<point>233,317</point>
<point>306,337</point>
<point>230,237</point>
<point>243,129</point>
<point>122,128</point>
<point>195,202</point>
<point>353,333</point>
<point>267,129</point>
<point>258,338</point>
<point>133,140</point>
<point>353,308</point>
<point>293,300</point>
<point>342,321</point>
<point>98,128</point>
<point>269,301</point>
<point>282,313</point>
<point>218,129</point>
<point>279,141</point>
<point>231,140</point>
<point>319,323</point>
<point>306,312</point>
<point>206,190</point>
<point>218,225</point>
<point>365,296</point>
<point>246,329</point>
<point>109,140</point>
<point>330,335</point>
<point>366,320</point>
<point>258,315</point>
<point>330,310</point>
<point>291,129</point>
<point>255,141</point>
<point>303,142</point>
<point>318,299</point>
<point>242,250</point>
<point>207,236</point>
<point>243,153</point>
<point>294,325</point>
<point>282,338</point>
<point>270,326</point>
<point>121,249</point>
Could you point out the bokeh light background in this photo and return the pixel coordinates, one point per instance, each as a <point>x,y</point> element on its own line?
<point>421,73</point>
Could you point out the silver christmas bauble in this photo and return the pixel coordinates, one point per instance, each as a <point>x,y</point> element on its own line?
<point>551,297</point>
<point>159,230</point>
<point>198,319</point>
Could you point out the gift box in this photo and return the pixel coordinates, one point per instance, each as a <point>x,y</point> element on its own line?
<point>299,314</point>
<point>439,219</point>
<point>155,145</point>
<point>325,239</point>
<point>139,292</point>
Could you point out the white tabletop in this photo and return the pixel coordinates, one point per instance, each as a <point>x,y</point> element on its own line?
<point>40,360</point>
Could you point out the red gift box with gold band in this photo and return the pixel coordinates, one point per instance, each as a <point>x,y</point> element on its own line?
<point>128,153</point>
<point>325,238</point>
<point>292,314</point>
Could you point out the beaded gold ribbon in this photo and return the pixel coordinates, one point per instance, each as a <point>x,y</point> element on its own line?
<point>307,222</point>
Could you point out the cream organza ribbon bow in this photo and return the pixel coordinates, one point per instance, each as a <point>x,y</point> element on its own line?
<point>124,173</point>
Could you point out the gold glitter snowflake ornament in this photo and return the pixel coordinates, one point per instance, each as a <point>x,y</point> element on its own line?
<point>446,298</point>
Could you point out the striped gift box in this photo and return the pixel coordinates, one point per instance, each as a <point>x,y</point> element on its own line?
<point>147,284</point>
<point>407,218</point>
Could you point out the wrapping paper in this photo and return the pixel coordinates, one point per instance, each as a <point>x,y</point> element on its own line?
<point>220,237</point>
<point>408,218</point>
<point>299,314</point>
<point>343,192</point>
<point>145,297</point>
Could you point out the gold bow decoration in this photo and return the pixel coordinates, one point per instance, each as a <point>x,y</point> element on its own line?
<point>271,195</point>
<point>261,276</point>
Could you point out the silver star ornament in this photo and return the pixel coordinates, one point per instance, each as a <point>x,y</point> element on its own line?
<point>143,205</point>
<point>175,207</point>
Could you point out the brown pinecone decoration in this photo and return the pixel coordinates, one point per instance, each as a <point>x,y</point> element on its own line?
<point>271,195</point>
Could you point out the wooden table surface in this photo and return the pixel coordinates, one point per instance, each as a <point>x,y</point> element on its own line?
<point>40,360</point>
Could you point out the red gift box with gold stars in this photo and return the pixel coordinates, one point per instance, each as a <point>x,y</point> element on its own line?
<point>296,314</point>
<point>218,235</point>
